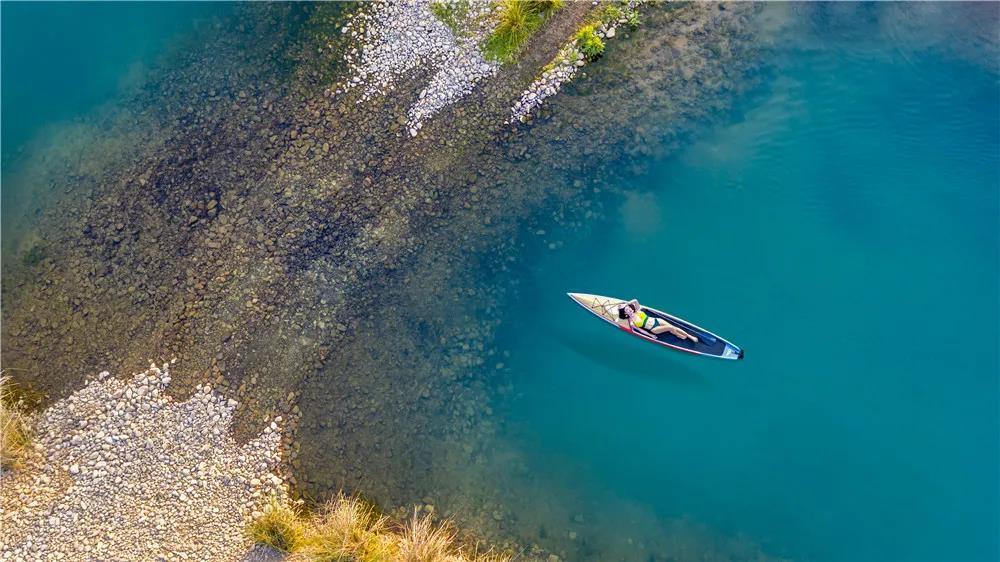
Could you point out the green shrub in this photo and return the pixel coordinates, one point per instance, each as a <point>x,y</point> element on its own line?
<point>588,42</point>
<point>612,13</point>
<point>632,18</point>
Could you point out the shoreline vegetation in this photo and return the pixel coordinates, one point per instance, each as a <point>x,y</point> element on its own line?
<point>510,23</point>
<point>15,426</point>
<point>347,528</point>
<point>342,528</point>
<point>241,209</point>
<point>518,20</point>
<point>586,45</point>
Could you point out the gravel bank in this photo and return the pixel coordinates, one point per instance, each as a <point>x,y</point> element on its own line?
<point>123,472</point>
<point>398,38</point>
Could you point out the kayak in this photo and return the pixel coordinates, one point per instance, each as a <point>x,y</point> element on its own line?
<point>709,344</point>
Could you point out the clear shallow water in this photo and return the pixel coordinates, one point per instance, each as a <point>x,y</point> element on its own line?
<point>844,231</point>
<point>62,59</point>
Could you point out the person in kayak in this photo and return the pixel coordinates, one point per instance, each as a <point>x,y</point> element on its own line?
<point>637,318</point>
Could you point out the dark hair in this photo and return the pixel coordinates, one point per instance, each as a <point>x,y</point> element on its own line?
<point>621,311</point>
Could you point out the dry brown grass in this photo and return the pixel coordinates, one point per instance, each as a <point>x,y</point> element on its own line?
<point>281,528</point>
<point>15,432</point>
<point>422,541</point>
<point>347,529</point>
<point>487,557</point>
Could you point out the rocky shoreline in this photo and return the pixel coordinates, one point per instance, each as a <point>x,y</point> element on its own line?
<point>121,471</point>
<point>395,38</point>
<point>282,223</point>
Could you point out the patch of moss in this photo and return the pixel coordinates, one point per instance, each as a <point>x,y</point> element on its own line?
<point>519,19</point>
<point>34,255</point>
<point>454,14</point>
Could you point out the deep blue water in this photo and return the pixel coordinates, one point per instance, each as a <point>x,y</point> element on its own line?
<point>843,229</point>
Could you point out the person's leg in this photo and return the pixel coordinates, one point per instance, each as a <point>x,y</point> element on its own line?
<point>664,326</point>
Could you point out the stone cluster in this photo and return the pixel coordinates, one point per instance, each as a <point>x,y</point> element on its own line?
<point>396,38</point>
<point>124,472</point>
<point>562,70</point>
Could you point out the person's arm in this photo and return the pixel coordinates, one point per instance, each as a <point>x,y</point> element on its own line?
<point>635,310</point>
<point>627,320</point>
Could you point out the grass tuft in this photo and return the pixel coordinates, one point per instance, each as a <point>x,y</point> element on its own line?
<point>280,528</point>
<point>350,530</point>
<point>518,20</point>
<point>15,432</point>
<point>422,541</point>
<point>347,529</point>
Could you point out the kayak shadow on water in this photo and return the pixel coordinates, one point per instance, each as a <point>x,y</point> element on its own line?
<point>611,354</point>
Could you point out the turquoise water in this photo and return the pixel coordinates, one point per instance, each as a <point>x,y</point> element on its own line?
<point>63,59</point>
<point>843,229</point>
<point>69,61</point>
